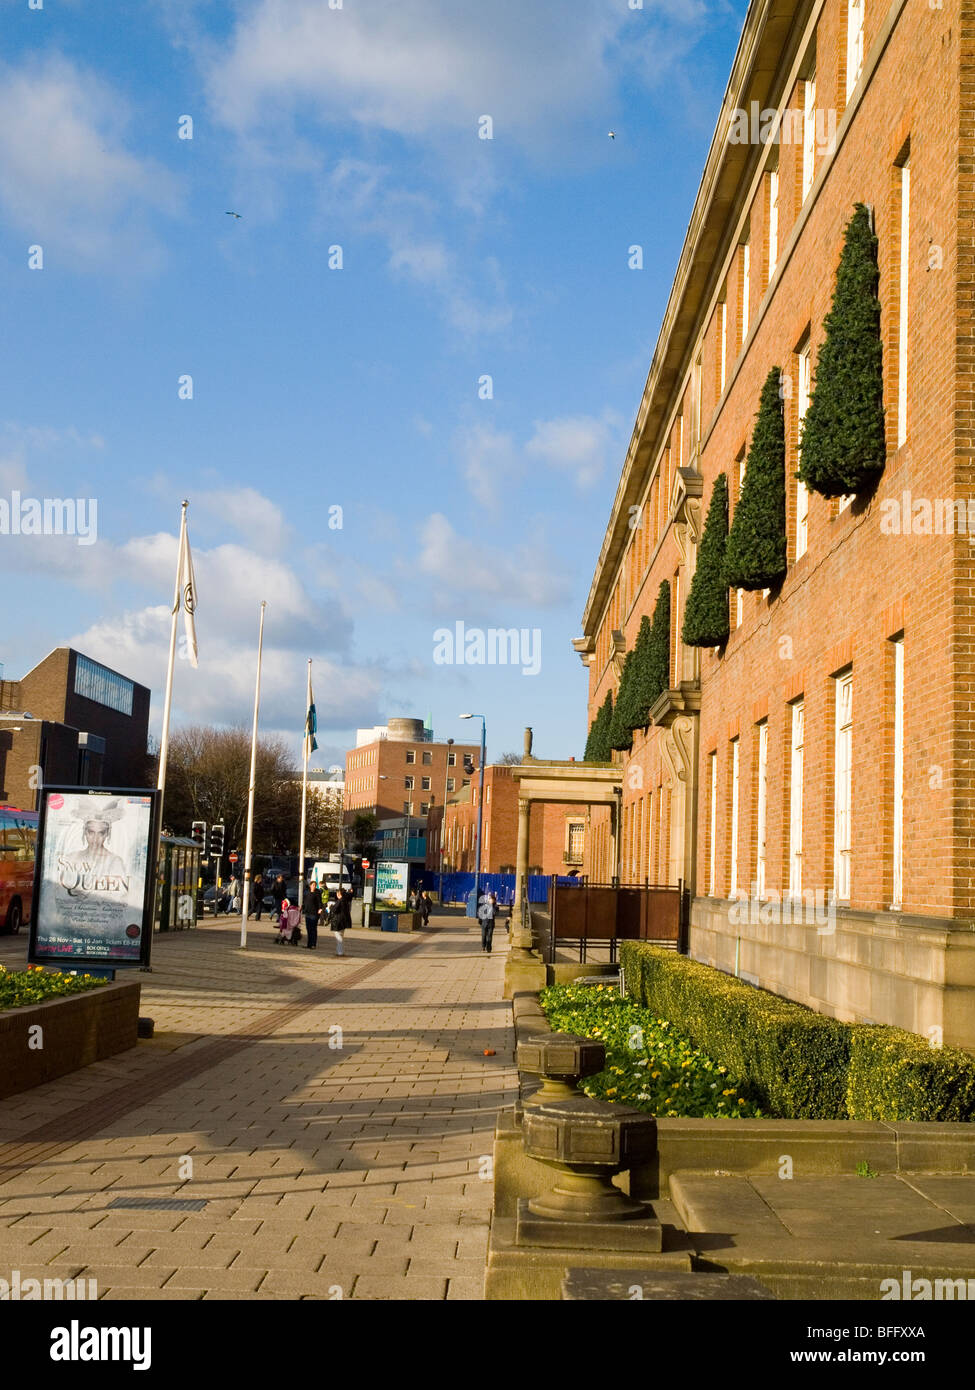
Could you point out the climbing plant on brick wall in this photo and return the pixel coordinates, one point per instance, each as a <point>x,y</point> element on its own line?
<point>597,745</point>
<point>654,666</point>
<point>843,441</point>
<point>706,611</point>
<point>620,728</point>
<point>755,553</point>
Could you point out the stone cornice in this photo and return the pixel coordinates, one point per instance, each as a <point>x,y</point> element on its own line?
<point>772,31</point>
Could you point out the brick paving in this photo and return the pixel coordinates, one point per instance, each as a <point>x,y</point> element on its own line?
<point>335,1113</point>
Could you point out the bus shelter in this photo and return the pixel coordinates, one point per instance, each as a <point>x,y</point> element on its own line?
<point>179,881</point>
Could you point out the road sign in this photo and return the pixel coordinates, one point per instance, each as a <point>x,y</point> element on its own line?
<point>365,863</point>
<point>232,856</point>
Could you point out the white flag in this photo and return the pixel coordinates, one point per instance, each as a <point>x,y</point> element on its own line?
<point>187,594</point>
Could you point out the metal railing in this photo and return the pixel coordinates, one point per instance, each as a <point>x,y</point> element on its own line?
<point>613,912</point>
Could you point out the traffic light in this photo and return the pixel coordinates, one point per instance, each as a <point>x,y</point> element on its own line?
<point>216,841</point>
<point>199,834</point>
<point>468,763</point>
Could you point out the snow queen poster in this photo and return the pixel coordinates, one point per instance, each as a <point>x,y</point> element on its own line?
<point>95,856</point>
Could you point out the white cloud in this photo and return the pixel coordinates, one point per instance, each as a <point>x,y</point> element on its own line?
<point>484,571</point>
<point>66,179</point>
<point>489,459</point>
<point>577,444</point>
<point>419,68</point>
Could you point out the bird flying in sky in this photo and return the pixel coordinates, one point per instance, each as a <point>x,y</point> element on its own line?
<point>234,214</point>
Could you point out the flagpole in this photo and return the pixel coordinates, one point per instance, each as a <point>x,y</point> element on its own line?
<point>304,792</point>
<point>245,895</point>
<point>168,702</point>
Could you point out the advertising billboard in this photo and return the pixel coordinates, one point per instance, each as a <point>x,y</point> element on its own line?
<point>392,883</point>
<point>94,883</point>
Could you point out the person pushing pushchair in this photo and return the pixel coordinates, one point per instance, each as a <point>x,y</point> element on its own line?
<point>289,924</point>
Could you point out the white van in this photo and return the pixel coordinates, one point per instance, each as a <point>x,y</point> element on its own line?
<point>331,874</point>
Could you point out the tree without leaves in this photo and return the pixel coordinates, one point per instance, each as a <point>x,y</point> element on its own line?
<point>755,553</point>
<point>844,445</point>
<point>208,776</point>
<point>706,622</point>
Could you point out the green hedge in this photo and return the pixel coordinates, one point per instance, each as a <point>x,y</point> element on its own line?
<point>795,1059</point>
<point>801,1064</point>
<point>896,1075</point>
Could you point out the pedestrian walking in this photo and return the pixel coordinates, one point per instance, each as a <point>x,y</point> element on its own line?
<point>233,889</point>
<point>279,891</point>
<point>313,912</point>
<point>424,907</point>
<point>487,910</point>
<point>257,897</point>
<point>340,920</point>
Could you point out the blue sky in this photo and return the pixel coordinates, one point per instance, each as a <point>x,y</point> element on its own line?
<point>462,257</point>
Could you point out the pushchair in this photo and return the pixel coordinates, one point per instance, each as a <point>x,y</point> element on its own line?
<point>289,926</point>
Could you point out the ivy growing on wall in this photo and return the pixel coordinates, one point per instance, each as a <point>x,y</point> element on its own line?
<point>706,611</point>
<point>655,666</point>
<point>755,553</point>
<point>843,441</point>
<point>597,744</point>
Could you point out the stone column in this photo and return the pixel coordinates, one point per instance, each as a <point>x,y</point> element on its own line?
<point>521,859</point>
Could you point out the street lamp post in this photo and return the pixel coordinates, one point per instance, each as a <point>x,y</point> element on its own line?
<point>443,818</point>
<point>480,807</point>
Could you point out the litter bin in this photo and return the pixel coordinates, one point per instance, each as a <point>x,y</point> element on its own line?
<point>388,922</point>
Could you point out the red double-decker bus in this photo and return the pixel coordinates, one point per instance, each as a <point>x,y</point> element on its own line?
<point>18,847</point>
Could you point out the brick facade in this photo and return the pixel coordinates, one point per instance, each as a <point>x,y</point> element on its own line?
<point>366,767</point>
<point>62,716</point>
<point>858,588</point>
<point>548,832</point>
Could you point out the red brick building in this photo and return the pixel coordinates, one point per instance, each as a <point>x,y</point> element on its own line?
<point>89,726</point>
<point>825,756</point>
<point>556,842</point>
<point>403,772</point>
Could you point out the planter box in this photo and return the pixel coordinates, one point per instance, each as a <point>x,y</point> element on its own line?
<point>77,1029</point>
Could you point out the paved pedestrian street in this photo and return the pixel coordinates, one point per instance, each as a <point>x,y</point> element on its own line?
<point>332,1117</point>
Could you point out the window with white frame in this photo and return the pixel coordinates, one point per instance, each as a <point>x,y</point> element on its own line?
<point>802,492</point>
<point>898,789</point>
<point>854,44</point>
<point>713,857</point>
<point>576,841</point>
<point>773,220</point>
<point>722,343</point>
<point>450,784</point>
<point>424,808</point>
<point>905,191</point>
<point>761,809</point>
<point>408,783</point>
<point>795,800</point>
<point>650,836</point>
<point>843,787</point>
<point>808,134</point>
<point>735,782</point>
<point>746,261</point>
